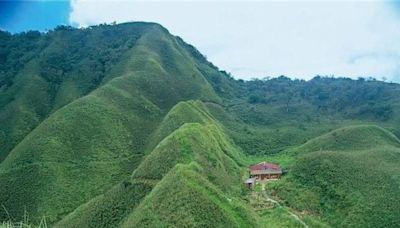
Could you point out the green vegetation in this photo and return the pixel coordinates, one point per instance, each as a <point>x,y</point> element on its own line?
<point>186,198</point>
<point>98,139</point>
<point>301,110</point>
<point>348,178</point>
<point>25,224</point>
<point>127,125</point>
<point>203,143</point>
<point>352,138</point>
<point>110,208</point>
<point>40,73</point>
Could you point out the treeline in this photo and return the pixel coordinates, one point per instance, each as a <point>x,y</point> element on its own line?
<point>66,52</point>
<point>351,98</point>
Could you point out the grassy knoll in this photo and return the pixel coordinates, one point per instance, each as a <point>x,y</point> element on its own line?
<point>194,142</point>
<point>358,137</point>
<point>185,198</point>
<point>181,113</point>
<point>348,178</point>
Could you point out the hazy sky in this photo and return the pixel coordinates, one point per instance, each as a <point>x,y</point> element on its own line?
<point>253,39</point>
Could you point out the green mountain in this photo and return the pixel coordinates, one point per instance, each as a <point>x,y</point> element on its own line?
<point>199,143</point>
<point>129,126</point>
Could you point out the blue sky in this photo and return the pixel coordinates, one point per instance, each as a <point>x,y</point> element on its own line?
<point>17,16</point>
<point>248,38</point>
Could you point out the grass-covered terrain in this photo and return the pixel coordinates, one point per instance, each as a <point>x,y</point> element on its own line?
<point>128,126</point>
<point>97,140</point>
<point>348,178</point>
<point>207,153</point>
<point>184,198</point>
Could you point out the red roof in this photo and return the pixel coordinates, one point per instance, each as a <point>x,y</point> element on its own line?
<point>264,166</point>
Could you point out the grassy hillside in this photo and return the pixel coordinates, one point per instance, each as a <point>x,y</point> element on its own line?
<point>197,138</point>
<point>40,72</point>
<point>96,141</point>
<point>348,178</point>
<point>183,112</point>
<point>193,142</point>
<point>185,198</point>
<point>215,156</point>
<point>351,138</point>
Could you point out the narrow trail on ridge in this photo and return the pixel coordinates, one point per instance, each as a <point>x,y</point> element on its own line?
<point>296,217</point>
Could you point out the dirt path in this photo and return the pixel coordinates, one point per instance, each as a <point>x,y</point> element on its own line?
<point>296,217</point>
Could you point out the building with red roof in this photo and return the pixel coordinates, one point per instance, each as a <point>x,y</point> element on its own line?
<point>264,170</point>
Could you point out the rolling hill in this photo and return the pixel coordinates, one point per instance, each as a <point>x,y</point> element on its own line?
<point>348,178</point>
<point>128,126</point>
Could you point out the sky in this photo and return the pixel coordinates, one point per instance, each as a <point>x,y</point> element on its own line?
<point>250,39</point>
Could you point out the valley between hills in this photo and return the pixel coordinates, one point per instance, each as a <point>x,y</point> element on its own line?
<point>127,125</point>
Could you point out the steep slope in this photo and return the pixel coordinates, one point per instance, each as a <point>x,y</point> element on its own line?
<point>62,163</point>
<point>40,73</point>
<point>108,209</point>
<point>349,178</point>
<point>194,136</point>
<point>205,144</point>
<point>217,169</point>
<point>183,112</point>
<point>185,198</point>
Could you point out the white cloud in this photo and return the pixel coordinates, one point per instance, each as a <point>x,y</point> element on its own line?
<point>256,39</point>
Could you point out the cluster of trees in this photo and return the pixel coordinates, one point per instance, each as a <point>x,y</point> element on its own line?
<point>84,55</point>
<point>89,53</point>
<point>365,98</point>
<point>16,51</point>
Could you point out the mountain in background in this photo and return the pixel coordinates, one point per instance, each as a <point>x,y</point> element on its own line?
<point>127,125</point>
